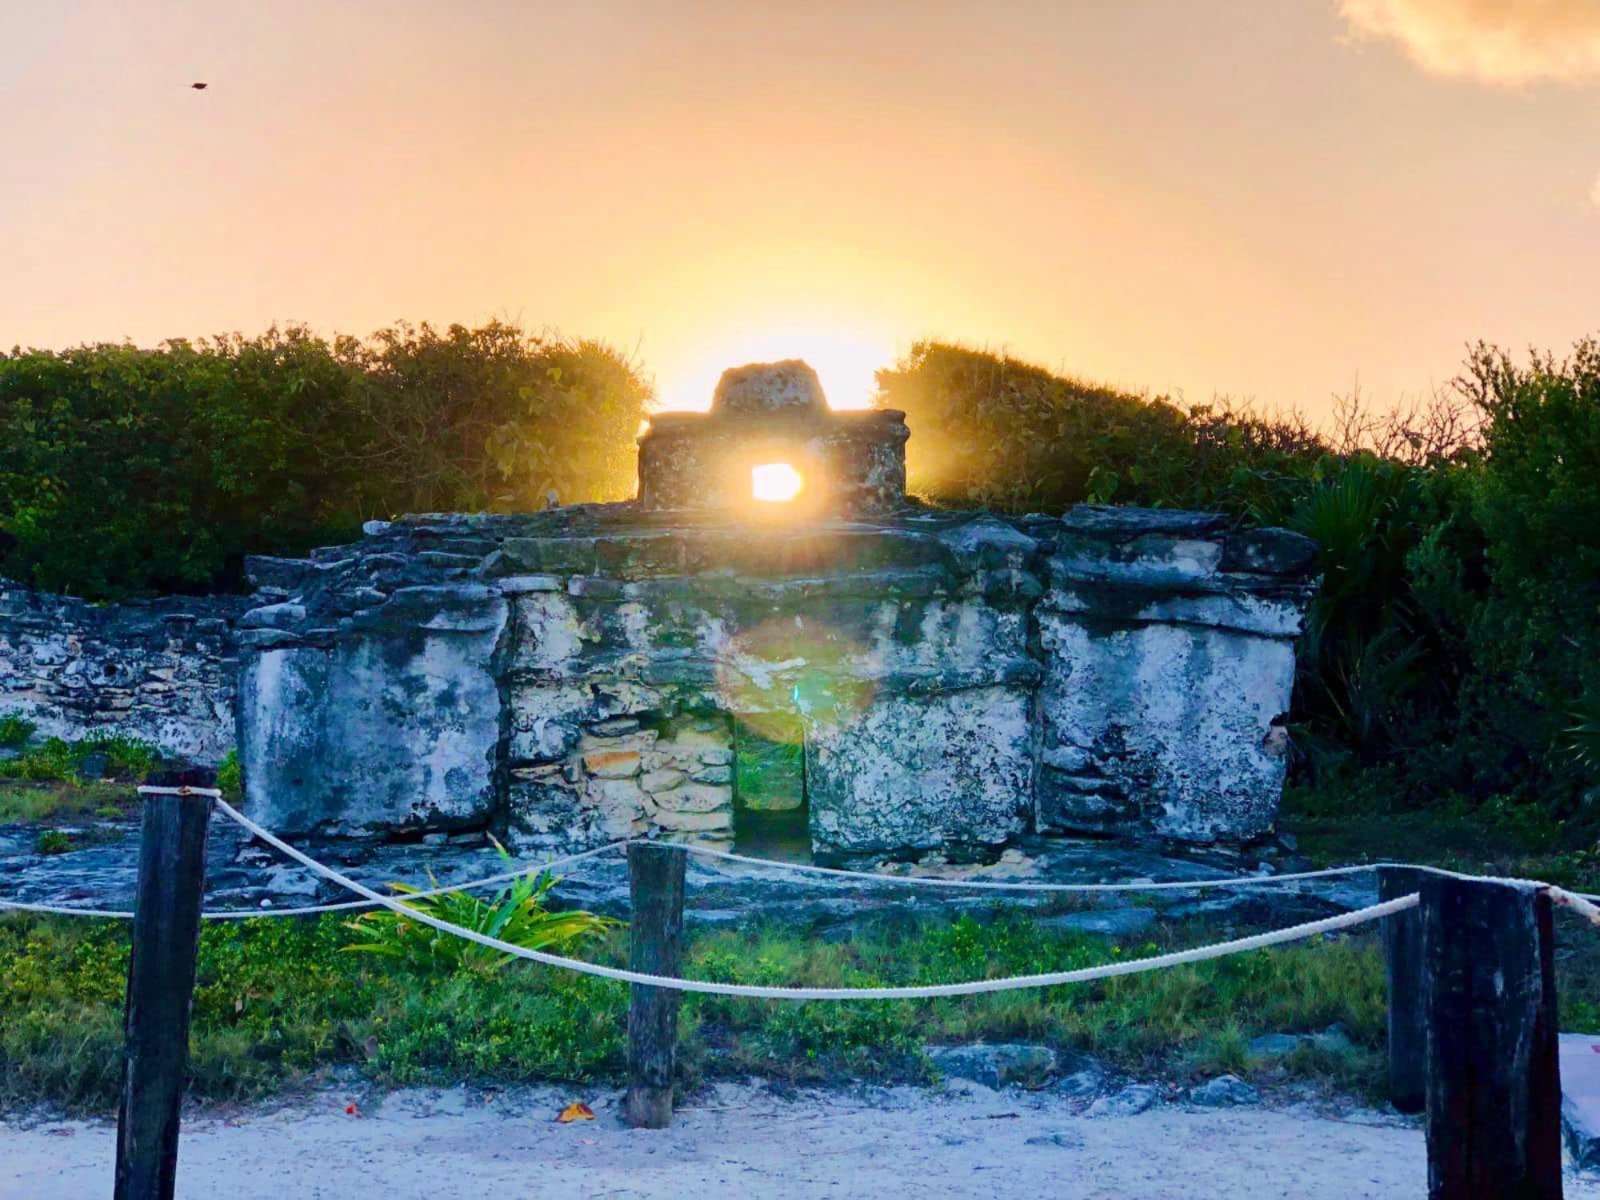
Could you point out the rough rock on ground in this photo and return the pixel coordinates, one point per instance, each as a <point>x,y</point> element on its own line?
<point>240,875</point>
<point>746,1140</point>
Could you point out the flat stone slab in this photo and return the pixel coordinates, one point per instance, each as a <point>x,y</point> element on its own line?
<point>1580,1097</point>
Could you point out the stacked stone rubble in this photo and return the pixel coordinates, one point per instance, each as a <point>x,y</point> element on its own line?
<point>161,671</point>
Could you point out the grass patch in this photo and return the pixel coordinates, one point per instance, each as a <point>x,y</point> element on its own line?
<point>53,841</point>
<point>1497,838</point>
<point>58,780</point>
<point>279,1001</point>
<point>46,802</point>
<point>113,756</point>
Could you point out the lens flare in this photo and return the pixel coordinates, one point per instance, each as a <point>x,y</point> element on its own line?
<point>775,483</point>
<point>787,673</point>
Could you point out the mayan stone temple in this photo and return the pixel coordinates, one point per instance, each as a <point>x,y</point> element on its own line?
<point>772,636</point>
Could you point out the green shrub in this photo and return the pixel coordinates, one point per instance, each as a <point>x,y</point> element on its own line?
<point>15,731</point>
<point>126,470</point>
<point>53,759</point>
<point>993,431</point>
<point>516,914</point>
<point>127,759</point>
<point>230,777</point>
<point>52,841</point>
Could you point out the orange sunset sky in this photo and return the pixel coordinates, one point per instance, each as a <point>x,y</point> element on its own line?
<point>1264,198</point>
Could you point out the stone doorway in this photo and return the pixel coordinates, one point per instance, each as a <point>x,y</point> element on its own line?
<point>771,818</point>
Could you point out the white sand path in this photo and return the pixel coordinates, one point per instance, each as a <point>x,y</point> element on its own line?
<point>744,1140</point>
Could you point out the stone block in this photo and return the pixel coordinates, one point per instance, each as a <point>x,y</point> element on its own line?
<point>695,798</point>
<point>661,779</point>
<point>1177,724</point>
<point>921,772</point>
<point>996,1065</point>
<point>611,764</point>
<point>389,731</point>
<point>694,822</point>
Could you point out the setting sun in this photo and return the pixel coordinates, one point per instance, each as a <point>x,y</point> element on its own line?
<point>775,482</point>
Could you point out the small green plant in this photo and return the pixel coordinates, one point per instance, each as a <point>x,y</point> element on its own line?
<point>126,757</point>
<point>53,759</point>
<point>1580,739</point>
<point>230,779</point>
<point>516,914</point>
<point>15,731</point>
<point>52,841</point>
<point>122,757</point>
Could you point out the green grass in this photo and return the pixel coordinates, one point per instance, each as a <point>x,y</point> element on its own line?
<point>29,802</point>
<point>278,1001</point>
<point>230,777</point>
<point>127,759</point>
<point>46,782</point>
<point>15,731</point>
<point>53,841</point>
<point>1335,826</point>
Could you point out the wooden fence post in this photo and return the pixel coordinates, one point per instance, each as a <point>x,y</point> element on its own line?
<point>655,881</point>
<point>1402,963</point>
<point>1493,1083</point>
<point>166,939</point>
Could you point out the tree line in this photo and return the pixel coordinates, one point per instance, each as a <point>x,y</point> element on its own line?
<point>126,470</point>
<point>1453,649</point>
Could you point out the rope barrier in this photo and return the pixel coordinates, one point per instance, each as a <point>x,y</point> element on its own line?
<point>1583,905</point>
<point>1245,881</point>
<point>1002,885</point>
<point>243,914</point>
<point>756,992</point>
<point>1581,902</point>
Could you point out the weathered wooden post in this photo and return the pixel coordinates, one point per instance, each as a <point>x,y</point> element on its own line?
<point>1402,963</point>
<point>655,881</point>
<point>166,940</point>
<point>1493,1083</point>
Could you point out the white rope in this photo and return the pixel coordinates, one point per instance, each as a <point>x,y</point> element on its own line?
<point>750,991</point>
<point>1232,881</point>
<point>58,910</point>
<point>1583,905</point>
<point>1000,885</point>
<point>245,914</point>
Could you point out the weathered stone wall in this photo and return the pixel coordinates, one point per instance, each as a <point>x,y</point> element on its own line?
<point>162,671</point>
<point>1168,650</point>
<point>946,681</point>
<point>390,724</point>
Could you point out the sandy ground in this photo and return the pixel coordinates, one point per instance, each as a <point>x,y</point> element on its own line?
<point>738,1140</point>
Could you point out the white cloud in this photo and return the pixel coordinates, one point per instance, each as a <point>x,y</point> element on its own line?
<point>1501,42</point>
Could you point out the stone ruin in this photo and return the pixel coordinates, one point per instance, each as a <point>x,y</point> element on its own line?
<point>838,664</point>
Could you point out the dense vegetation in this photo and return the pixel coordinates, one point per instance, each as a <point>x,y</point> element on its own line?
<point>124,470</point>
<point>1453,654</point>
